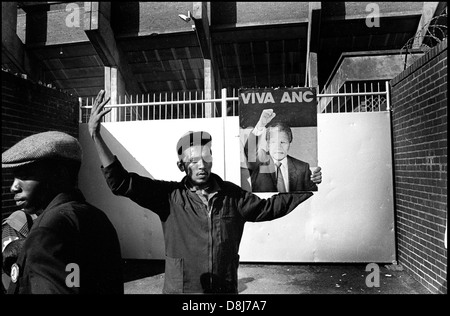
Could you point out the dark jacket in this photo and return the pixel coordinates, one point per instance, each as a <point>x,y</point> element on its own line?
<point>70,231</point>
<point>262,171</point>
<point>201,247</point>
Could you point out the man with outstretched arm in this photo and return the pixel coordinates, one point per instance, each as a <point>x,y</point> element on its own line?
<point>202,215</point>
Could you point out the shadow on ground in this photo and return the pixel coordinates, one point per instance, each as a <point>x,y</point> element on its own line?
<point>147,277</point>
<point>141,269</point>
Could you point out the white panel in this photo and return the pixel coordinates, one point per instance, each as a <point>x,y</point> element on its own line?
<point>350,218</point>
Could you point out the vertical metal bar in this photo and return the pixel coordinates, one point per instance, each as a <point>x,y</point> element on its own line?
<point>371,98</point>
<point>154,107</point>
<point>332,101</point>
<point>351,91</point>
<point>128,109</point>
<point>339,103</point>
<point>345,98</point>
<point>159,105</point>
<point>224,102</point>
<point>190,105</point>
<point>203,103</point>
<point>183,106</point>
<point>224,116</point>
<point>80,110</point>
<point>388,96</point>
<point>171,105</point>
<point>151,106</point>
<point>379,97</point>
<point>165,99</point>
<point>234,102</point>
<point>178,105</point>
<point>365,97</point>
<point>196,104</point>
<point>215,104</point>
<point>359,98</point>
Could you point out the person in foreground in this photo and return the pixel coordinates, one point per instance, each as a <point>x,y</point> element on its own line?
<point>72,247</point>
<point>202,216</point>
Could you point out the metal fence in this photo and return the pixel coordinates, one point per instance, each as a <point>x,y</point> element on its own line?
<point>350,97</point>
<point>358,96</point>
<point>164,106</point>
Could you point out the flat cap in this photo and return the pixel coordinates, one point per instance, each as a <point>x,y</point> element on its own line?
<point>190,139</point>
<point>42,146</point>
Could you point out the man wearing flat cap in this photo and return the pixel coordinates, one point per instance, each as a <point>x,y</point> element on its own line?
<point>202,216</point>
<point>72,247</point>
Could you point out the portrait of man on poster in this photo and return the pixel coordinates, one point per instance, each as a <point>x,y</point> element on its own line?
<point>278,140</point>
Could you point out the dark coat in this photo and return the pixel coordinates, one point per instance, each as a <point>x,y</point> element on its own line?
<point>201,247</point>
<point>70,231</point>
<point>299,177</point>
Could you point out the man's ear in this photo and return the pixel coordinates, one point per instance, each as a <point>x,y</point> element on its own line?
<point>180,165</point>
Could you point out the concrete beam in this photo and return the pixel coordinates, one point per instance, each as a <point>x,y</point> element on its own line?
<point>114,87</point>
<point>12,47</point>
<point>364,66</point>
<point>211,71</point>
<point>98,29</point>
<point>428,12</point>
<point>314,16</point>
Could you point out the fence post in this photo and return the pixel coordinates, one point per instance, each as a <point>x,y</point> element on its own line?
<point>224,102</point>
<point>80,110</point>
<point>224,116</point>
<point>388,97</point>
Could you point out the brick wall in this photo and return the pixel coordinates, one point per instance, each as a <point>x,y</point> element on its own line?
<point>29,108</point>
<point>419,103</point>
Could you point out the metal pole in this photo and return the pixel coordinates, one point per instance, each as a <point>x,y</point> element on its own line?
<point>224,102</point>
<point>388,97</point>
<point>224,116</point>
<point>80,110</point>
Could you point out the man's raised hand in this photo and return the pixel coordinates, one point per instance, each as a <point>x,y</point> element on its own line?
<point>97,113</point>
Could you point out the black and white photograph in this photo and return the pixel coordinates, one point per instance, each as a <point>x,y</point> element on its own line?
<point>256,153</point>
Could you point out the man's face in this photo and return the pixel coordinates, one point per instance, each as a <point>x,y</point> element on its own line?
<point>278,144</point>
<point>198,163</point>
<point>30,188</point>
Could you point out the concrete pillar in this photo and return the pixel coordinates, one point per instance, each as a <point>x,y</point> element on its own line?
<point>209,87</point>
<point>11,44</point>
<point>114,87</point>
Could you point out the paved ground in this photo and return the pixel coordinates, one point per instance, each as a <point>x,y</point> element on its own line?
<point>148,277</point>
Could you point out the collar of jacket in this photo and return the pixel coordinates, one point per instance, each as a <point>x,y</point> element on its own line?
<point>215,184</point>
<point>64,197</point>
